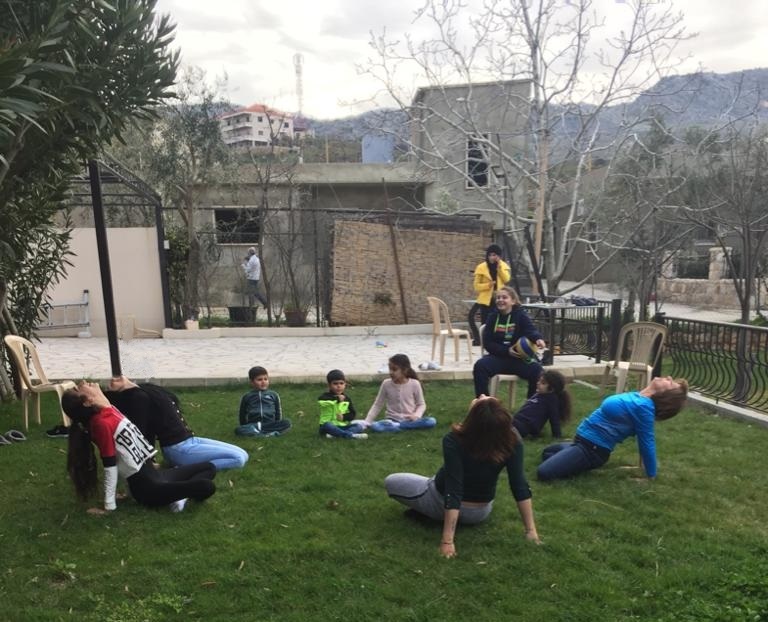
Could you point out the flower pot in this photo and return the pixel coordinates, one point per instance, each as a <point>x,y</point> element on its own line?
<point>242,316</point>
<point>296,317</point>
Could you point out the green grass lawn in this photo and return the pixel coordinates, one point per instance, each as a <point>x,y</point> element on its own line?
<point>306,532</point>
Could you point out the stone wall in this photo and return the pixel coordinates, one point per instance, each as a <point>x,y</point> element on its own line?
<point>432,263</point>
<point>714,294</point>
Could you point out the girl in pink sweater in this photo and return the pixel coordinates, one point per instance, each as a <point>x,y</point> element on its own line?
<point>404,399</point>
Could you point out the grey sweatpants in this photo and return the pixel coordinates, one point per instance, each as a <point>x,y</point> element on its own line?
<point>419,493</point>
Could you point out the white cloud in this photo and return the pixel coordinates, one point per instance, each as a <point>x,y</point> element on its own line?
<point>254,42</point>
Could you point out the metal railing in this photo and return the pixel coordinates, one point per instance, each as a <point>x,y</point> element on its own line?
<point>591,330</point>
<point>569,328</point>
<point>727,362</point>
<point>68,315</point>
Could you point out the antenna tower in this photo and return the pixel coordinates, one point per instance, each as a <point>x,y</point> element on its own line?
<point>298,61</point>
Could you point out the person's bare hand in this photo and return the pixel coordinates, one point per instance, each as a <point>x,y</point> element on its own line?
<point>448,550</point>
<point>120,383</point>
<point>97,511</point>
<point>533,536</point>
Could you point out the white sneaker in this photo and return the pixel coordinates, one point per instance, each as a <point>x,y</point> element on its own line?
<point>360,437</point>
<point>178,506</point>
<point>329,436</point>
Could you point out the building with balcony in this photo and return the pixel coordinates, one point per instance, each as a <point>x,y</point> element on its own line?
<point>257,126</point>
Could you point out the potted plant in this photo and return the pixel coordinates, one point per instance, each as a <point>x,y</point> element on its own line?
<point>298,296</point>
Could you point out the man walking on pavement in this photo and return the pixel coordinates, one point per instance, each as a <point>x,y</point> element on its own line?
<point>252,267</point>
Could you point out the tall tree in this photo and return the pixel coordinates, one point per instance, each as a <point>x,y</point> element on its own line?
<point>726,193</point>
<point>181,153</point>
<point>573,77</point>
<point>73,74</point>
<point>645,178</point>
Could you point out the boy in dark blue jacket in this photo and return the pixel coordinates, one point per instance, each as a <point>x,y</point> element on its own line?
<point>260,412</point>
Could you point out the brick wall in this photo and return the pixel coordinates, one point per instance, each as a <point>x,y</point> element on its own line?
<point>432,263</point>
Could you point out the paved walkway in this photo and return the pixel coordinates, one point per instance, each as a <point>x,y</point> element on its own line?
<point>224,360</point>
<point>290,355</point>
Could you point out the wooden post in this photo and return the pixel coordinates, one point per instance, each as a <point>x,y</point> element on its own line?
<point>395,253</point>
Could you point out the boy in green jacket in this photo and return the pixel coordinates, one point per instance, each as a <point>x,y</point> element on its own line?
<point>260,412</point>
<point>336,410</point>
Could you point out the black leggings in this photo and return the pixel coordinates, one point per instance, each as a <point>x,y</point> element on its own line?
<point>156,487</point>
<point>483,310</point>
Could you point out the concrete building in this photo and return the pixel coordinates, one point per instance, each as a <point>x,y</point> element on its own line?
<point>466,139</point>
<point>257,126</point>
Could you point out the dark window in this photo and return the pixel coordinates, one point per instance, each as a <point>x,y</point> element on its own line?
<point>477,163</point>
<point>236,226</point>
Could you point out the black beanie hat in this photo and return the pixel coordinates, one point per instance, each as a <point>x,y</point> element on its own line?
<point>493,248</point>
<point>335,374</point>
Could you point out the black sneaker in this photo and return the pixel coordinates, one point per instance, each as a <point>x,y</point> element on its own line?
<point>59,431</point>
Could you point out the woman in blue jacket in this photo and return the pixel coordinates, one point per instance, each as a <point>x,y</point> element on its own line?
<point>618,417</point>
<point>503,328</point>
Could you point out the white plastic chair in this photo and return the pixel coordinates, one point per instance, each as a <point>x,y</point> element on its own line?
<point>32,375</point>
<point>643,342</point>
<point>493,385</point>
<point>442,328</point>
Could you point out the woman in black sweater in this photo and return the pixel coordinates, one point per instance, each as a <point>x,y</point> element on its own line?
<point>474,454</point>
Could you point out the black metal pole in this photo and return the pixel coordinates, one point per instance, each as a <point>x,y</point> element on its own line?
<point>106,273</point>
<point>162,252</point>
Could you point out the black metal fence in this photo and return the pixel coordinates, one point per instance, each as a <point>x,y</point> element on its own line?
<point>727,362</point>
<point>569,328</point>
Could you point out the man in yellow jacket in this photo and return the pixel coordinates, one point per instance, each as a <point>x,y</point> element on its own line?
<point>490,275</point>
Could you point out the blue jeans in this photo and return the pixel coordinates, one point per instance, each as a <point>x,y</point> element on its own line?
<point>388,425</point>
<point>339,431</point>
<point>197,449</point>
<point>563,460</point>
<point>490,365</point>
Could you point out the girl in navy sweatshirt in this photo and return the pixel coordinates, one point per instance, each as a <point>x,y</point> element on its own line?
<point>551,402</point>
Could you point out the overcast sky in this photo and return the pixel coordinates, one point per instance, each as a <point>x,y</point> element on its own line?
<point>254,42</point>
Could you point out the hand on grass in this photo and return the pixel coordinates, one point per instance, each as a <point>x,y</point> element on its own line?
<point>532,536</point>
<point>448,550</point>
<point>96,511</point>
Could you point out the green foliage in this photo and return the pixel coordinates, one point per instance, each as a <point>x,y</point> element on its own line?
<point>73,74</point>
<point>331,150</point>
<point>306,532</point>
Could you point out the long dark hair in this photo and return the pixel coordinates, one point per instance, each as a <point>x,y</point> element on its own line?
<point>556,381</point>
<point>486,432</point>
<point>81,460</point>
<point>401,361</point>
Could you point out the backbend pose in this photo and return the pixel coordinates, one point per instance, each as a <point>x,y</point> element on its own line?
<point>618,417</point>
<point>404,399</point>
<point>155,411</point>
<point>474,453</point>
<point>551,402</point>
<point>502,330</point>
<point>126,452</point>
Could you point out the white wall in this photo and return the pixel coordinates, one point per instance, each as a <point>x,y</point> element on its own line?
<point>135,278</point>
